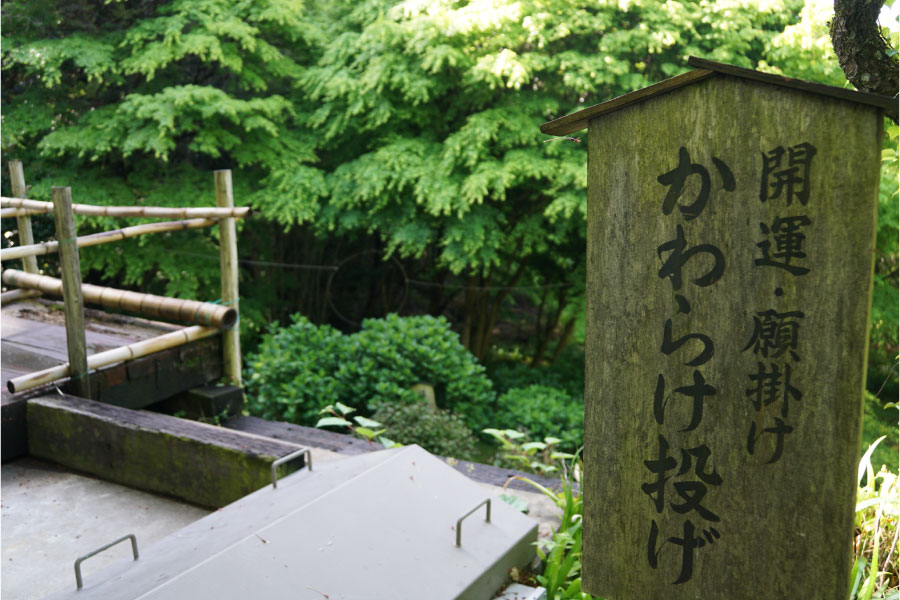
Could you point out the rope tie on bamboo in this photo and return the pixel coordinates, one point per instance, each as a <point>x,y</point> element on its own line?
<point>224,303</point>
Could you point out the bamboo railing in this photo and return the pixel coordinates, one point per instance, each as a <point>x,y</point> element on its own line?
<point>109,357</point>
<point>148,305</point>
<point>152,212</point>
<point>105,237</point>
<point>210,318</point>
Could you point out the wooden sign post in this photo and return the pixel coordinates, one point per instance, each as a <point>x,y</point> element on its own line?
<point>731,224</point>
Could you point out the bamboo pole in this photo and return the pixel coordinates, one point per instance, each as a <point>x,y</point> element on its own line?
<point>70,267</point>
<point>13,295</point>
<point>175,309</point>
<point>155,212</point>
<point>228,260</point>
<point>103,359</point>
<point>26,237</point>
<point>19,212</point>
<point>106,237</point>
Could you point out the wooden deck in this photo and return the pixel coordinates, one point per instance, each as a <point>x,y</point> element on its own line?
<point>33,337</point>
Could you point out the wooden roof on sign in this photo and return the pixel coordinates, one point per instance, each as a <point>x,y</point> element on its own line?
<point>703,70</point>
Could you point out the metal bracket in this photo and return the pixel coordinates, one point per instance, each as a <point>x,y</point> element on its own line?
<point>459,522</point>
<point>289,458</point>
<point>80,559</point>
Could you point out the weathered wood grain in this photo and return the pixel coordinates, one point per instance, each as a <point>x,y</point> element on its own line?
<point>23,222</point>
<point>70,272</point>
<point>785,528</point>
<point>203,464</point>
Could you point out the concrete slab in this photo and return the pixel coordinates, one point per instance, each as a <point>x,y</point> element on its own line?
<point>378,526</point>
<point>50,516</point>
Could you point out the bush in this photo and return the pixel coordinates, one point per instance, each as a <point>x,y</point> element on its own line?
<point>291,376</point>
<point>438,431</point>
<point>508,372</point>
<point>544,412</point>
<point>299,369</point>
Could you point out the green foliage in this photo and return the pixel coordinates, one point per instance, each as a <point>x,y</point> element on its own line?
<point>877,513</point>
<point>561,555</point>
<point>293,374</point>
<point>543,411</point>
<point>880,421</point>
<point>508,370</point>
<point>415,124</point>
<point>301,368</point>
<point>518,452</point>
<point>436,430</point>
<point>367,429</point>
<point>391,355</point>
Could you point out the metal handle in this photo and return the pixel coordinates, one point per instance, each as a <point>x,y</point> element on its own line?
<point>459,522</point>
<point>81,559</point>
<point>289,458</point>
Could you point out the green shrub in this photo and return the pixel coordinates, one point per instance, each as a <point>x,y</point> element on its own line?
<point>291,376</point>
<point>438,431</point>
<point>299,369</point>
<point>391,355</point>
<point>507,371</point>
<point>544,412</point>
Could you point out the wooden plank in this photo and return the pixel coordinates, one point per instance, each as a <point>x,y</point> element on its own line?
<point>231,338</point>
<point>70,271</point>
<point>730,252</point>
<point>23,222</point>
<point>579,120</point>
<point>877,100</point>
<point>206,465</point>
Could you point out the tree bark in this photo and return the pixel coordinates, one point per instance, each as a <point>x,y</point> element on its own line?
<point>861,49</point>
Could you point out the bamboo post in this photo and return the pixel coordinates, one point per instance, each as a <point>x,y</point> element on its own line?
<point>26,237</point>
<point>231,339</point>
<point>70,268</point>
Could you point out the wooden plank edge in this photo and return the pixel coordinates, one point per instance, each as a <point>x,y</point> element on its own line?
<point>885,103</point>
<point>202,464</point>
<point>579,120</point>
<point>348,445</point>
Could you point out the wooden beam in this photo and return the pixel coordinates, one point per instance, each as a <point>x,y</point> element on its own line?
<point>203,464</point>
<point>26,237</point>
<point>152,212</point>
<point>885,103</point>
<point>105,237</point>
<point>70,268</point>
<point>231,339</point>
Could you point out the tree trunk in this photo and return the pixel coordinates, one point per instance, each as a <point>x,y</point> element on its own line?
<point>861,49</point>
